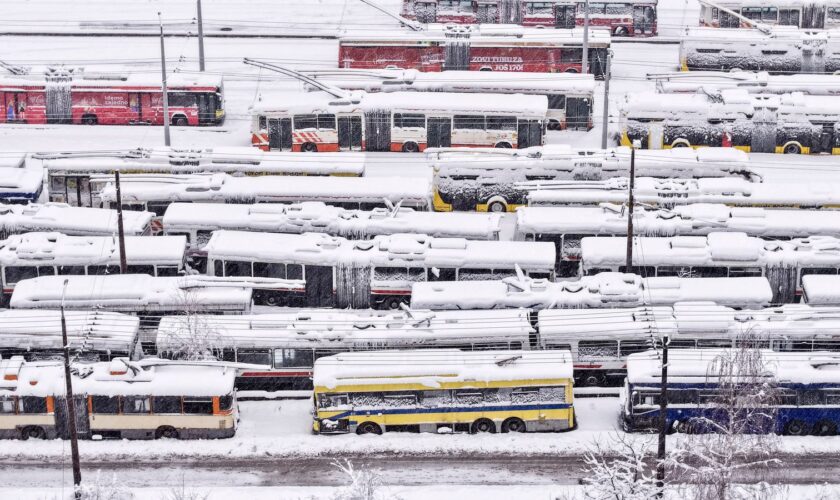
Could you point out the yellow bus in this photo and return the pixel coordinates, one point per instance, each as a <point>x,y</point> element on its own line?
<point>442,390</point>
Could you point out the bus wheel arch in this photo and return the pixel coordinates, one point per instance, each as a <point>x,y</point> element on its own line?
<point>483,425</point>
<point>681,143</point>
<point>390,303</point>
<point>410,147</point>
<point>274,299</point>
<point>514,424</point>
<point>593,379</point>
<point>369,428</point>
<point>33,432</point>
<point>89,119</point>
<point>825,428</point>
<point>571,70</point>
<point>503,145</point>
<point>166,431</point>
<point>792,148</point>
<point>486,68</point>
<point>554,124</point>
<point>309,147</point>
<point>621,31</point>
<point>180,120</point>
<point>796,428</point>
<point>497,204</point>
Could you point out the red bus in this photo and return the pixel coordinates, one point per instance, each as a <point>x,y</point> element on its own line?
<point>622,17</point>
<point>476,48</point>
<point>111,100</point>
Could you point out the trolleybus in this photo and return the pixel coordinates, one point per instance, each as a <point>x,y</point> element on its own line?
<point>73,221</point>
<point>754,82</point>
<point>808,14</point>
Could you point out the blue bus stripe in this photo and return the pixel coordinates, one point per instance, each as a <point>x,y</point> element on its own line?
<point>460,409</point>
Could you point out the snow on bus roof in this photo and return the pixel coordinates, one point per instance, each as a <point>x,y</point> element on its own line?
<point>480,35</point>
<point>821,289</point>
<point>701,34</point>
<point>129,292</point>
<point>101,81</point>
<point>697,366</point>
<point>715,249</point>
<point>25,329</point>
<point>602,290</point>
<point>315,216</point>
<point>434,368</point>
<point>694,219</point>
<point>754,82</point>
<point>414,191</point>
<point>77,221</point>
<point>397,250</point>
<point>59,249</point>
<point>121,377</point>
<point>447,102</point>
<point>10,159</point>
<point>325,328</point>
<point>19,176</point>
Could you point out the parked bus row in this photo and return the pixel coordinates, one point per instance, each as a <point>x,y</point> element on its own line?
<point>807,14</point>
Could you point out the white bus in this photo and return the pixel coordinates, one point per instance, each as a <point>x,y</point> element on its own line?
<point>35,334</point>
<point>30,255</point>
<point>156,193</point>
<point>70,173</point>
<point>571,96</point>
<point>289,343</point>
<point>327,271</point>
<point>719,255</point>
<point>121,399</point>
<point>567,226</point>
<point>754,82</point>
<point>73,221</point>
<point>489,180</point>
<point>398,121</point>
<point>605,290</point>
<point>798,13</point>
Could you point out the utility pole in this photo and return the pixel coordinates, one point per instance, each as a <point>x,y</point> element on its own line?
<point>200,37</point>
<point>120,229</point>
<point>630,204</point>
<point>584,66</point>
<point>71,406</point>
<point>606,119</point>
<point>663,408</point>
<point>165,94</point>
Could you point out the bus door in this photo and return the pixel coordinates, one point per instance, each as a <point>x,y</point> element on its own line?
<point>78,191</point>
<point>14,106</point>
<point>763,137</point>
<point>487,13</point>
<point>439,133</point>
<point>564,16</point>
<point>280,134</point>
<point>206,109</point>
<point>62,420</point>
<point>349,133</point>
<point>789,17</point>
<point>378,131</point>
<point>578,113</point>
<point>826,138</point>
<point>644,18</point>
<point>529,133</point>
<point>425,12</point>
<point>319,286</point>
<point>134,104</point>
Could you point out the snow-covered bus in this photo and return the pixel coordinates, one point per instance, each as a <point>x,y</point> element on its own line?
<point>31,255</point>
<point>156,192</point>
<point>783,263</point>
<point>288,343</point>
<point>754,82</point>
<point>788,123</point>
<point>23,180</point>
<point>122,399</point>
<point>567,226</point>
<point>571,97</point>
<point>669,193</point>
<point>429,391</point>
<point>73,221</point>
<point>783,50</point>
<point>398,121</point>
<point>318,270</point>
<point>497,181</point>
<point>803,400</point>
<point>800,13</point>
<point>476,48</point>
<point>821,289</point>
<point>70,174</point>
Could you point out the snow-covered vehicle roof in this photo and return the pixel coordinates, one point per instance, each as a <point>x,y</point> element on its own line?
<point>314,216</point>
<point>698,366</point>
<point>99,331</point>
<point>411,191</point>
<point>131,293</point>
<point>673,192</point>
<point>19,179</point>
<point>76,221</point>
<point>397,250</point>
<point>35,249</point>
<point>481,35</point>
<point>757,82</point>
<point>562,161</point>
<point>341,329</point>
<point>99,82</point>
<point>434,368</point>
<point>118,377</point>
<point>682,220</point>
<point>716,249</point>
<point>821,289</point>
<point>604,290</point>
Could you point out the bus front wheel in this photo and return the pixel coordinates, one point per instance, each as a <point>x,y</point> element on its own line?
<point>89,120</point>
<point>792,149</point>
<point>369,428</point>
<point>410,147</point>
<point>309,148</point>
<point>179,121</point>
<point>166,432</point>
<point>796,428</point>
<point>621,31</point>
<point>825,428</point>
<point>497,207</point>
<point>33,432</point>
<point>483,425</point>
<point>513,425</point>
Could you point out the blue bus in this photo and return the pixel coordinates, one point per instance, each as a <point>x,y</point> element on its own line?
<point>805,397</point>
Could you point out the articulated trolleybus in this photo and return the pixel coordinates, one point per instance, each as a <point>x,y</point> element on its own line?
<point>802,14</point>
<point>444,391</point>
<point>399,121</point>
<point>111,100</point>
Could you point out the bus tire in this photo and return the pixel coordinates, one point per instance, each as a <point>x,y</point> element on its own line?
<point>621,31</point>
<point>180,121</point>
<point>513,425</point>
<point>571,70</point>
<point>410,147</point>
<point>32,432</point>
<point>89,120</point>
<point>680,143</point>
<point>554,125</point>
<point>796,428</point>
<point>792,148</point>
<point>482,426</point>
<point>274,300</point>
<point>594,379</point>
<point>391,303</point>
<point>166,432</point>
<point>309,147</point>
<point>486,68</point>
<point>825,428</point>
<point>497,206</point>
<point>503,145</point>
<point>369,428</point>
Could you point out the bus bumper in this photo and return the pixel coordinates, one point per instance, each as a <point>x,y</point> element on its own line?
<point>327,426</point>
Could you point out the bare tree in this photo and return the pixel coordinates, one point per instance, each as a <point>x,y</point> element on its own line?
<point>193,337</point>
<point>103,489</point>
<point>620,470</point>
<point>364,484</point>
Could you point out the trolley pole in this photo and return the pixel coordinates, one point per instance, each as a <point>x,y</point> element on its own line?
<point>71,406</point>
<point>200,37</point>
<point>630,205</point>
<point>663,409</point>
<point>606,119</point>
<point>120,228</point>
<point>165,94</point>
<point>584,66</point>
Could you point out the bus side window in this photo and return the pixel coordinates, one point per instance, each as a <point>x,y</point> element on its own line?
<point>305,121</point>
<point>166,404</point>
<point>469,396</point>
<point>326,122</point>
<point>598,348</point>
<point>167,271</point>
<point>7,405</point>
<point>501,123</point>
<point>432,399</point>
<point>254,356</point>
<point>468,122</point>
<point>18,273</point>
<point>46,271</point>
<point>150,270</point>
<point>198,406</point>
<point>269,270</point>
<point>33,404</point>
<point>105,404</point>
<point>445,274</point>
<point>709,272</point>
<point>288,358</point>
<point>556,101</point>
<point>218,268</point>
<point>239,268</point>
